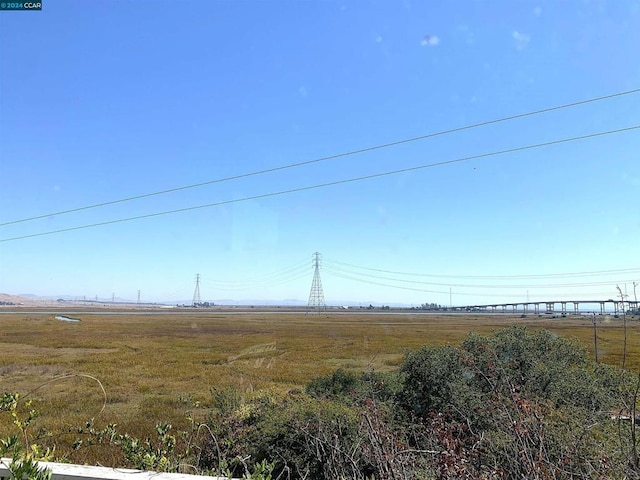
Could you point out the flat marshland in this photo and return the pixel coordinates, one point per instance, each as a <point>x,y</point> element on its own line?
<point>154,366</point>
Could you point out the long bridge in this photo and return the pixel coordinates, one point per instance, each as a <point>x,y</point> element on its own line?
<point>618,306</point>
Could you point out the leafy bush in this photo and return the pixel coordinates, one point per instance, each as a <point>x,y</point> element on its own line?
<point>24,454</point>
<point>339,383</point>
<point>305,437</point>
<point>536,364</point>
<point>533,404</point>
<point>348,385</point>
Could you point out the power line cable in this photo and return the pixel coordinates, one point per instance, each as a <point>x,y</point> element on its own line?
<point>328,184</point>
<point>347,277</point>
<point>487,277</point>
<point>330,157</point>
<point>273,283</point>
<point>277,278</point>
<point>480,286</point>
<point>299,267</point>
<point>458,293</point>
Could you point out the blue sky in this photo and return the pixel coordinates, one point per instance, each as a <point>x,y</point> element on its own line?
<point>107,100</point>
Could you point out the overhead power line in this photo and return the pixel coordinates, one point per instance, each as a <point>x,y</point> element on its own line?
<point>285,271</point>
<point>280,277</point>
<point>274,283</point>
<point>327,158</point>
<point>457,293</point>
<point>328,184</point>
<point>339,270</point>
<point>488,277</point>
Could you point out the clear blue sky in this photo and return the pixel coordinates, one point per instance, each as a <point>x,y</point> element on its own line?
<point>113,99</point>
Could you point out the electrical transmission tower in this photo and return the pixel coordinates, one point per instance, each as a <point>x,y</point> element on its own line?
<point>316,296</point>
<point>196,293</point>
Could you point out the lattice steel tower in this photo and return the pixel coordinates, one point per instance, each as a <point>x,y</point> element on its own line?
<point>316,296</point>
<point>196,292</point>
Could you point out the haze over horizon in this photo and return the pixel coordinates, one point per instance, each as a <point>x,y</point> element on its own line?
<point>107,101</point>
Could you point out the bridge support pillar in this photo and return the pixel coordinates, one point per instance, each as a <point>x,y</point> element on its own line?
<point>576,310</point>
<point>563,307</point>
<point>550,306</point>
<point>602,308</point>
<point>536,308</point>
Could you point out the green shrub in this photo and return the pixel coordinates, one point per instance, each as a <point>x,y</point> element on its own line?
<point>435,380</point>
<point>530,403</point>
<point>304,437</point>
<point>24,455</point>
<point>339,383</point>
<point>356,387</point>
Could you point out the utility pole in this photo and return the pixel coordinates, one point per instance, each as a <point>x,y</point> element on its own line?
<point>624,324</point>
<point>595,336</point>
<point>196,293</point>
<point>622,297</point>
<point>316,295</point>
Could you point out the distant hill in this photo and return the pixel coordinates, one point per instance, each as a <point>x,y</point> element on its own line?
<point>33,300</point>
<point>30,299</point>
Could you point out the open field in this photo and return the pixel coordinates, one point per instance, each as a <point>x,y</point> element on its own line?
<point>148,363</point>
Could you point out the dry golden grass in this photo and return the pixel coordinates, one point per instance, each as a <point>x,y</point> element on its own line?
<point>147,362</point>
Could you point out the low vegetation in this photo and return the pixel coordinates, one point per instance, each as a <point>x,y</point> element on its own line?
<point>321,396</point>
